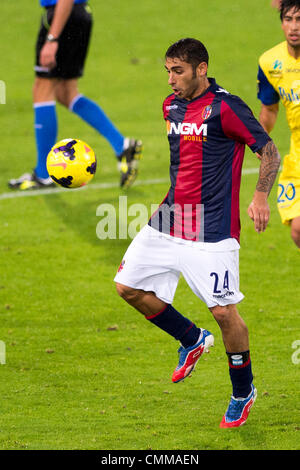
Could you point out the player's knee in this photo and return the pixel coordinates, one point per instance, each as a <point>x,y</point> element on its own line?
<point>62,95</point>
<point>295,234</point>
<point>121,289</point>
<point>38,84</point>
<point>220,314</point>
<point>226,316</point>
<point>43,89</point>
<point>127,293</point>
<point>66,91</point>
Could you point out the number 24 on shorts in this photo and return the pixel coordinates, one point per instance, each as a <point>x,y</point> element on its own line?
<point>218,282</point>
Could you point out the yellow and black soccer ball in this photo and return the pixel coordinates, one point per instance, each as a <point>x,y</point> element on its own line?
<point>71,163</point>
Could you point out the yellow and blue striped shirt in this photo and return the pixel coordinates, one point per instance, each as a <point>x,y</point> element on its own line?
<point>279,79</point>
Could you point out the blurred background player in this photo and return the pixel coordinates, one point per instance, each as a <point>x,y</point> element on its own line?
<point>275,3</point>
<point>196,230</point>
<point>279,79</point>
<point>61,50</point>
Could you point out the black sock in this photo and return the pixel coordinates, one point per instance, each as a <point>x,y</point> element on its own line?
<point>176,325</point>
<point>240,373</point>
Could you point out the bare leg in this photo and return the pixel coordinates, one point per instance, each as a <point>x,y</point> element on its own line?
<point>44,89</point>
<point>66,91</point>
<point>145,302</point>
<point>295,231</point>
<point>233,327</point>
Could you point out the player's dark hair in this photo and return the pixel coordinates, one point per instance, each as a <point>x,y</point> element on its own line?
<point>190,50</point>
<point>286,5</point>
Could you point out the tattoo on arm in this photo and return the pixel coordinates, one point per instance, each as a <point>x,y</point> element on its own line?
<point>269,166</point>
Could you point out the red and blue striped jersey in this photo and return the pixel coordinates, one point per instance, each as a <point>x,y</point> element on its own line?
<point>207,138</point>
<point>50,3</point>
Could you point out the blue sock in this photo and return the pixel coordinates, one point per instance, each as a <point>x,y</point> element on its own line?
<point>45,125</point>
<point>176,325</point>
<point>240,372</point>
<point>91,113</point>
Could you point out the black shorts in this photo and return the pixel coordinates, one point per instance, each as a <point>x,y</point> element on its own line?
<point>73,43</point>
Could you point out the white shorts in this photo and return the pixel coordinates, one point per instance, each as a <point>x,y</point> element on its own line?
<point>154,261</point>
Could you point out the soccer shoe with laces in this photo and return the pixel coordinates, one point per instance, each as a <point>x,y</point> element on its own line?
<point>129,162</point>
<point>188,357</point>
<point>238,410</point>
<point>30,181</point>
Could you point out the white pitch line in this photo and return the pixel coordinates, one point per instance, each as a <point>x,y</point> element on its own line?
<point>38,192</point>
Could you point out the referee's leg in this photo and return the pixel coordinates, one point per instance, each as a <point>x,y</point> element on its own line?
<point>67,94</point>
<point>66,90</point>
<point>45,121</point>
<point>44,90</point>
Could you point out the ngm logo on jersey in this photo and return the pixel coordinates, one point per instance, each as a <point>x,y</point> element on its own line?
<point>190,130</point>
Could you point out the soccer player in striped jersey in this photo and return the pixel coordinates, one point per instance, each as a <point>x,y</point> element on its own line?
<point>61,51</point>
<point>278,80</point>
<point>195,232</point>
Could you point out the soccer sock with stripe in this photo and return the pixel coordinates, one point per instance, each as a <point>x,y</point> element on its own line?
<point>240,372</point>
<point>176,325</point>
<point>93,115</point>
<point>45,125</point>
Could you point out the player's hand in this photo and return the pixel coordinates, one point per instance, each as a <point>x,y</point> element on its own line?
<point>48,55</point>
<point>259,211</point>
<point>258,155</point>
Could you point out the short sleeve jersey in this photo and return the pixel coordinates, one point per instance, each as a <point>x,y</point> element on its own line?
<point>207,138</point>
<point>279,79</point>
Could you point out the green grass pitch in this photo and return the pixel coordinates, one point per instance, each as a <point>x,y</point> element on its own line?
<point>84,370</point>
